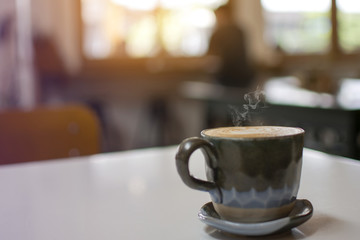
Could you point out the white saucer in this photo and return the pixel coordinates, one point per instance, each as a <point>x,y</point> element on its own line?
<point>302,212</point>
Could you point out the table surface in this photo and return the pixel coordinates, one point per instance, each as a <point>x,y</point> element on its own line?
<point>139,195</point>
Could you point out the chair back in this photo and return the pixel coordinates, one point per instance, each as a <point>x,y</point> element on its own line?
<point>48,133</point>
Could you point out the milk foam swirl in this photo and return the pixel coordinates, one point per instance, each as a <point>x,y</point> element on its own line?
<point>252,132</point>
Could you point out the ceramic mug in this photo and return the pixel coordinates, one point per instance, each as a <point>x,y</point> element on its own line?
<point>253,173</point>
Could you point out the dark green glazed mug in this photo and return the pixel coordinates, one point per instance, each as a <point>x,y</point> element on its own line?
<point>253,173</point>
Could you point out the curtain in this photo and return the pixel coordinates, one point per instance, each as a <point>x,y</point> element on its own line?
<point>17,82</point>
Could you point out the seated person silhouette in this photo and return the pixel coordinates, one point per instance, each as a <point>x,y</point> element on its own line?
<point>234,71</point>
<point>229,45</point>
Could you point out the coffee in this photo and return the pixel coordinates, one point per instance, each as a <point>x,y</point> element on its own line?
<point>253,173</point>
<point>252,132</point>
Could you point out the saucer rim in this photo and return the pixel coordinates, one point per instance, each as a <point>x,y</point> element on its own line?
<point>294,219</point>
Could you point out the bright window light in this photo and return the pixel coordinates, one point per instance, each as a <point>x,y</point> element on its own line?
<point>298,27</point>
<point>348,6</point>
<point>142,38</point>
<point>176,4</point>
<point>296,6</point>
<point>145,28</point>
<point>349,25</point>
<point>200,17</point>
<point>144,5</point>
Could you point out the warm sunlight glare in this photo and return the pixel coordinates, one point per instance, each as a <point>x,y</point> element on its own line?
<point>144,5</point>
<point>201,18</point>
<point>142,38</point>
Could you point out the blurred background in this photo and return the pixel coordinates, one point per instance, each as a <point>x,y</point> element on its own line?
<point>147,71</point>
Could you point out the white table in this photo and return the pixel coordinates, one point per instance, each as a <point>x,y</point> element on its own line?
<point>139,195</point>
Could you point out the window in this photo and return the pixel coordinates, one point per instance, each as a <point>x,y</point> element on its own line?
<point>348,16</point>
<point>145,28</point>
<point>298,26</point>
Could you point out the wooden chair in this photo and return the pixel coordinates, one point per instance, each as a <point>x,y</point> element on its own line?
<point>48,133</point>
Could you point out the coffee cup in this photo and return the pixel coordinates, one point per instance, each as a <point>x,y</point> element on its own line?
<point>253,173</point>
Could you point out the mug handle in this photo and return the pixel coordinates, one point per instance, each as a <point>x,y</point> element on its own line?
<point>186,148</point>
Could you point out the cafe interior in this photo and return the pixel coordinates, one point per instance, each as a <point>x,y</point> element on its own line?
<point>80,77</point>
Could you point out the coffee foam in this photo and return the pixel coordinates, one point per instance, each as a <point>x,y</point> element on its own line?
<point>252,131</point>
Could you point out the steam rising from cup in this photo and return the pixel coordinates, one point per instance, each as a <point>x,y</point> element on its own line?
<point>254,101</point>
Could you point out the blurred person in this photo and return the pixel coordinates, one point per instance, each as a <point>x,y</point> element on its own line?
<point>232,69</point>
<point>228,44</point>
